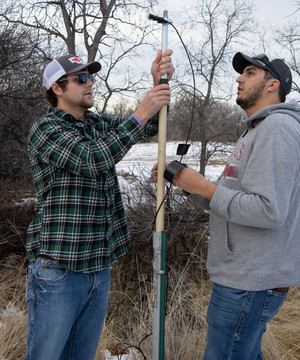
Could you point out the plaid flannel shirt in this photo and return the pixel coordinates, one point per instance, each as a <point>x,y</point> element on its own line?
<point>80,219</point>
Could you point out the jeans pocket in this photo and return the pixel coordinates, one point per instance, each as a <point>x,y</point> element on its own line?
<point>49,272</point>
<point>273,303</point>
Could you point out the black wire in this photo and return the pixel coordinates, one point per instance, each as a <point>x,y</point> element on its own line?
<point>194,85</point>
<point>161,204</point>
<point>187,139</point>
<point>193,111</point>
<point>168,187</point>
<point>134,346</point>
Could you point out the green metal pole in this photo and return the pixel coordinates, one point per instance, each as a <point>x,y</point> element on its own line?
<point>159,296</point>
<point>163,294</point>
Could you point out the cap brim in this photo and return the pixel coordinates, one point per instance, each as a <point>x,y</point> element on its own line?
<point>92,67</point>
<point>240,61</point>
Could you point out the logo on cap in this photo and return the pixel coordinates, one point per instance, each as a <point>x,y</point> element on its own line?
<point>75,60</point>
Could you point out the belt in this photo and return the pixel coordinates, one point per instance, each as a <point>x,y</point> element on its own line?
<point>282,290</point>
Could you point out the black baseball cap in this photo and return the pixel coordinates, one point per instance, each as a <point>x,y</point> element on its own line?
<point>277,67</point>
<point>64,65</point>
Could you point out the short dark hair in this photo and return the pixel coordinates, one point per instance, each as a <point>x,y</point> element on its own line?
<point>50,95</point>
<point>281,92</point>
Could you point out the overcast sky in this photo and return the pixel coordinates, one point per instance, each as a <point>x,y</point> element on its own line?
<point>270,14</point>
<point>275,10</point>
<point>270,11</point>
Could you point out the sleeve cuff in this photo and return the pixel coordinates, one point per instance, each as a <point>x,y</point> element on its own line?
<point>137,119</point>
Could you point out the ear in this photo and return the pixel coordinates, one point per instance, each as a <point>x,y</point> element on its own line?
<point>56,89</point>
<point>273,85</point>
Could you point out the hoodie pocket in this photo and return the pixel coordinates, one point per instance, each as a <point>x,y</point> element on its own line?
<point>220,242</point>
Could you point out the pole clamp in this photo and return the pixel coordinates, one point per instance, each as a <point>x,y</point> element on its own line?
<point>172,169</point>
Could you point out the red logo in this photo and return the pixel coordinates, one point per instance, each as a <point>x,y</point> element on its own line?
<point>238,151</point>
<point>75,60</point>
<point>230,172</point>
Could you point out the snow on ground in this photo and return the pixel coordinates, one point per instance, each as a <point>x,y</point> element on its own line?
<point>141,158</point>
<point>25,201</point>
<point>132,355</point>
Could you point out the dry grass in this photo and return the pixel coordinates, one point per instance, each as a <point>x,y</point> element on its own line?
<point>13,322</point>
<point>282,339</point>
<point>129,317</point>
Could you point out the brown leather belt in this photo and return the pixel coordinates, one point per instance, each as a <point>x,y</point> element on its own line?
<point>282,290</point>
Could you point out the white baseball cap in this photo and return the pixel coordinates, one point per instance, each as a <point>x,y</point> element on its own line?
<point>64,65</point>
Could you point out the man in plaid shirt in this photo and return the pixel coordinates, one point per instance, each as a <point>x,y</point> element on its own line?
<point>79,229</point>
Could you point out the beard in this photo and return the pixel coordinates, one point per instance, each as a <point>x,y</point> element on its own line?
<point>87,104</point>
<point>251,99</point>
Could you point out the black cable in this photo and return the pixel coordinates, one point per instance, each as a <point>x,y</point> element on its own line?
<point>161,204</point>
<point>134,346</point>
<point>194,86</point>
<point>163,20</point>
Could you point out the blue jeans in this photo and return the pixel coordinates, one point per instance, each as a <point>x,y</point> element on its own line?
<point>66,311</point>
<point>237,320</point>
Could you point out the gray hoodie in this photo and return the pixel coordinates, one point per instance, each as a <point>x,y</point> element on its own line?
<point>255,212</point>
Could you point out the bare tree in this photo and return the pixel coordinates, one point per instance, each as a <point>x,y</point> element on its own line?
<point>222,122</point>
<point>20,97</point>
<point>216,25</point>
<point>289,40</point>
<point>110,30</point>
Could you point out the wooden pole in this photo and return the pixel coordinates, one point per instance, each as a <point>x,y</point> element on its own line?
<point>159,237</point>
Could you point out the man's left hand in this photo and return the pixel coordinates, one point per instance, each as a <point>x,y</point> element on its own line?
<point>162,65</point>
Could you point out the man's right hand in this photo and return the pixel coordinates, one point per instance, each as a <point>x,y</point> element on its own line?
<point>155,98</point>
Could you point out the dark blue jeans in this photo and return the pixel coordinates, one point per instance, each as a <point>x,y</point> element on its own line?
<point>66,311</point>
<point>237,320</point>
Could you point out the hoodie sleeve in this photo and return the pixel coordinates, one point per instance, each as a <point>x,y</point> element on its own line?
<point>201,201</point>
<point>262,198</point>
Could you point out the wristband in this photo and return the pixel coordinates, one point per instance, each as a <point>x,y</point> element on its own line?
<point>137,119</point>
<point>172,169</point>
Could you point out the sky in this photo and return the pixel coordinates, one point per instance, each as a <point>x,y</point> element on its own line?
<point>271,15</point>
<point>270,11</point>
<point>274,11</point>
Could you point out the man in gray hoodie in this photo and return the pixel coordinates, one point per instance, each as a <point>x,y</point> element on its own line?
<point>254,247</point>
